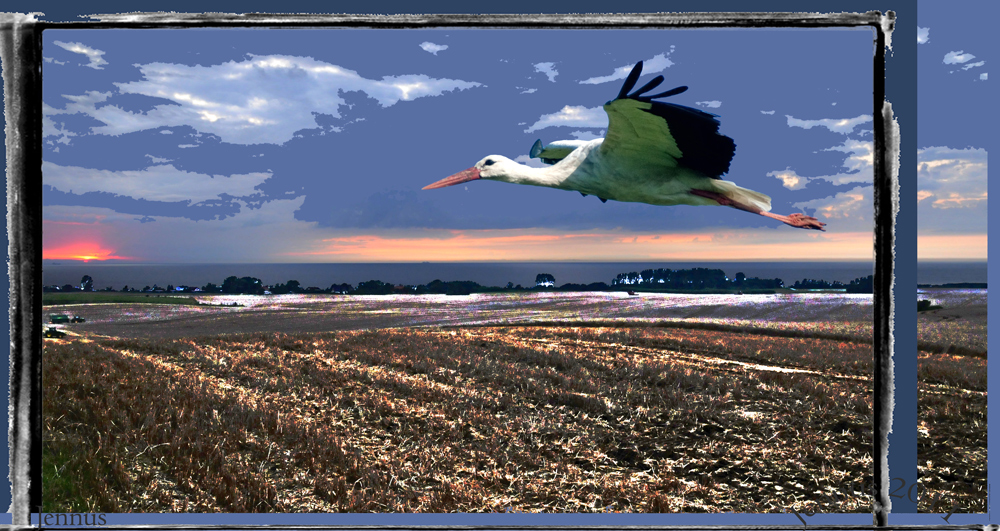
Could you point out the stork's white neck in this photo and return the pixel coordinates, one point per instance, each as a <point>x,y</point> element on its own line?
<point>551,176</point>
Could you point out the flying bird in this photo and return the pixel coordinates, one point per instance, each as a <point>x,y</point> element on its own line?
<point>654,152</point>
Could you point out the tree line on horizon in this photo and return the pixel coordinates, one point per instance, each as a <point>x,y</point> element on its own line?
<point>696,279</point>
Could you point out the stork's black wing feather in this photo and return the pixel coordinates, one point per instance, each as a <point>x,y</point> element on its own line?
<point>633,76</point>
<point>697,136</point>
<point>695,133</point>
<point>655,82</point>
<point>672,92</point>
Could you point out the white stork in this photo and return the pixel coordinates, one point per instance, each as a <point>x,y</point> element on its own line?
<point>656,153</point>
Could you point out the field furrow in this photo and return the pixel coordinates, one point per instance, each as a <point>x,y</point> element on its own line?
<point>478,419</point>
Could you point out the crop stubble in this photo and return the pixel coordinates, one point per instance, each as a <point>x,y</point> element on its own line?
<point>469,419</point>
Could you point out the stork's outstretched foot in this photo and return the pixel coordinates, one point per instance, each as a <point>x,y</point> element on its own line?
<point>801,221</point>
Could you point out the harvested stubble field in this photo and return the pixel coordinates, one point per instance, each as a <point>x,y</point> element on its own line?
<point>523,418</point>
<point>952,385</point>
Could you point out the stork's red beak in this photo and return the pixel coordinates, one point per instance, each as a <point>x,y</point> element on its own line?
<point>463,176</point>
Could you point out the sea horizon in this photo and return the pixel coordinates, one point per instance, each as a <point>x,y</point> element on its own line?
<point>415,273</point>
<point>322,275</point>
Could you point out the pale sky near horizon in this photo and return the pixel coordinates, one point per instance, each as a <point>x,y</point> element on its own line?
<point>313,145</point>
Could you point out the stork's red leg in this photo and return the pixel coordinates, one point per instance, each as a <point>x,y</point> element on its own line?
<point>800,221</point>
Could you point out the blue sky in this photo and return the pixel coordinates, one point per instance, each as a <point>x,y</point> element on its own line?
<point>313,145</point>
<point>954,59</point>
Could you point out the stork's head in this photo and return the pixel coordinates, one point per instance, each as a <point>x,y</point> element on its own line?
<point>493,167</point>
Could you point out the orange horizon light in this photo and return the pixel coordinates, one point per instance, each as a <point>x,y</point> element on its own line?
<point>82,251</point>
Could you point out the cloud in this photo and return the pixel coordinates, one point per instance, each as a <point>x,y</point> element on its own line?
<point>433,48</point>
<point>156,183</point>
<point>586,135</point>
<point>952,178</point>
<point>843,126</point>
<point>851,209</point>
<point>96,61</point>
<point>861,158</point>
<point>527,90</point>
<point>973,65</point>
<point>51,60</point>
<point>983,76</point>
<point>573,116</point>
<point>714,104</point>
<point>860,163</point>
<point>157,160</point>
<point>952,58</point>
<point>657,63</point>
<point>767,112</point>
<point>923,35</point>
<point>50,129</point>
<point>528,161</point>
<point>260,100</point>
<point>789,179</point>
<point>548,69</point>
<point>952,198</point>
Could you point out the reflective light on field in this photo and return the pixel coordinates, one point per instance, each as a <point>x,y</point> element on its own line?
<point>829,313</point>
<point>485,308</point>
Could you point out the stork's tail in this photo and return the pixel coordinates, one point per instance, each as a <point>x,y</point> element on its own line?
<point>742,195</point>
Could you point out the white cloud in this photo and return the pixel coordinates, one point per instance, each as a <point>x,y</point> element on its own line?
<point>51,60</point>
<point>952,58</point>
<point>859,163</point>
<point>973,65</point>
<point>573,116</point>
<point>50,129</point>
<point>156,183</point>
<point>861,158</point>
<point>92,53</point>
<point>528,90</point>
<point>187,146</point>
<point>983,76</point>
<point>157,160</point>
<point>843,126</point>
<point>923,35</point>
<point>263,99</point>
<point>586,135</point>
<point>852,210</point>
<point>548,69</point>
<point>433,48</point>
<point>789,179</point>
<point>528,161</point>
<point>767,112</point>
<point>714,104</point>
<point>952,178</point>
<point>657,63</point>
<point>952,191</point>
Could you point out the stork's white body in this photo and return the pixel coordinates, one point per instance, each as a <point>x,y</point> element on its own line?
<point>589,170</point>
<point>655,153</point>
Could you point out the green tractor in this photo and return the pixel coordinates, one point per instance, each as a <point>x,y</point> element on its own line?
<point>51,331</point>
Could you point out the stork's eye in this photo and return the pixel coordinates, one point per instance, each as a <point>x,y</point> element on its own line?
<point>489,162</point>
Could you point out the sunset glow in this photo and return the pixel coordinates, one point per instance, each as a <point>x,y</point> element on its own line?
<point>498,245</point>
<point>951,247</point>
<point>81,251</point>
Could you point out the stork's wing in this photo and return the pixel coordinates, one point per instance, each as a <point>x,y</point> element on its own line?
<point>555,151</point>
<point>654,133</point>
